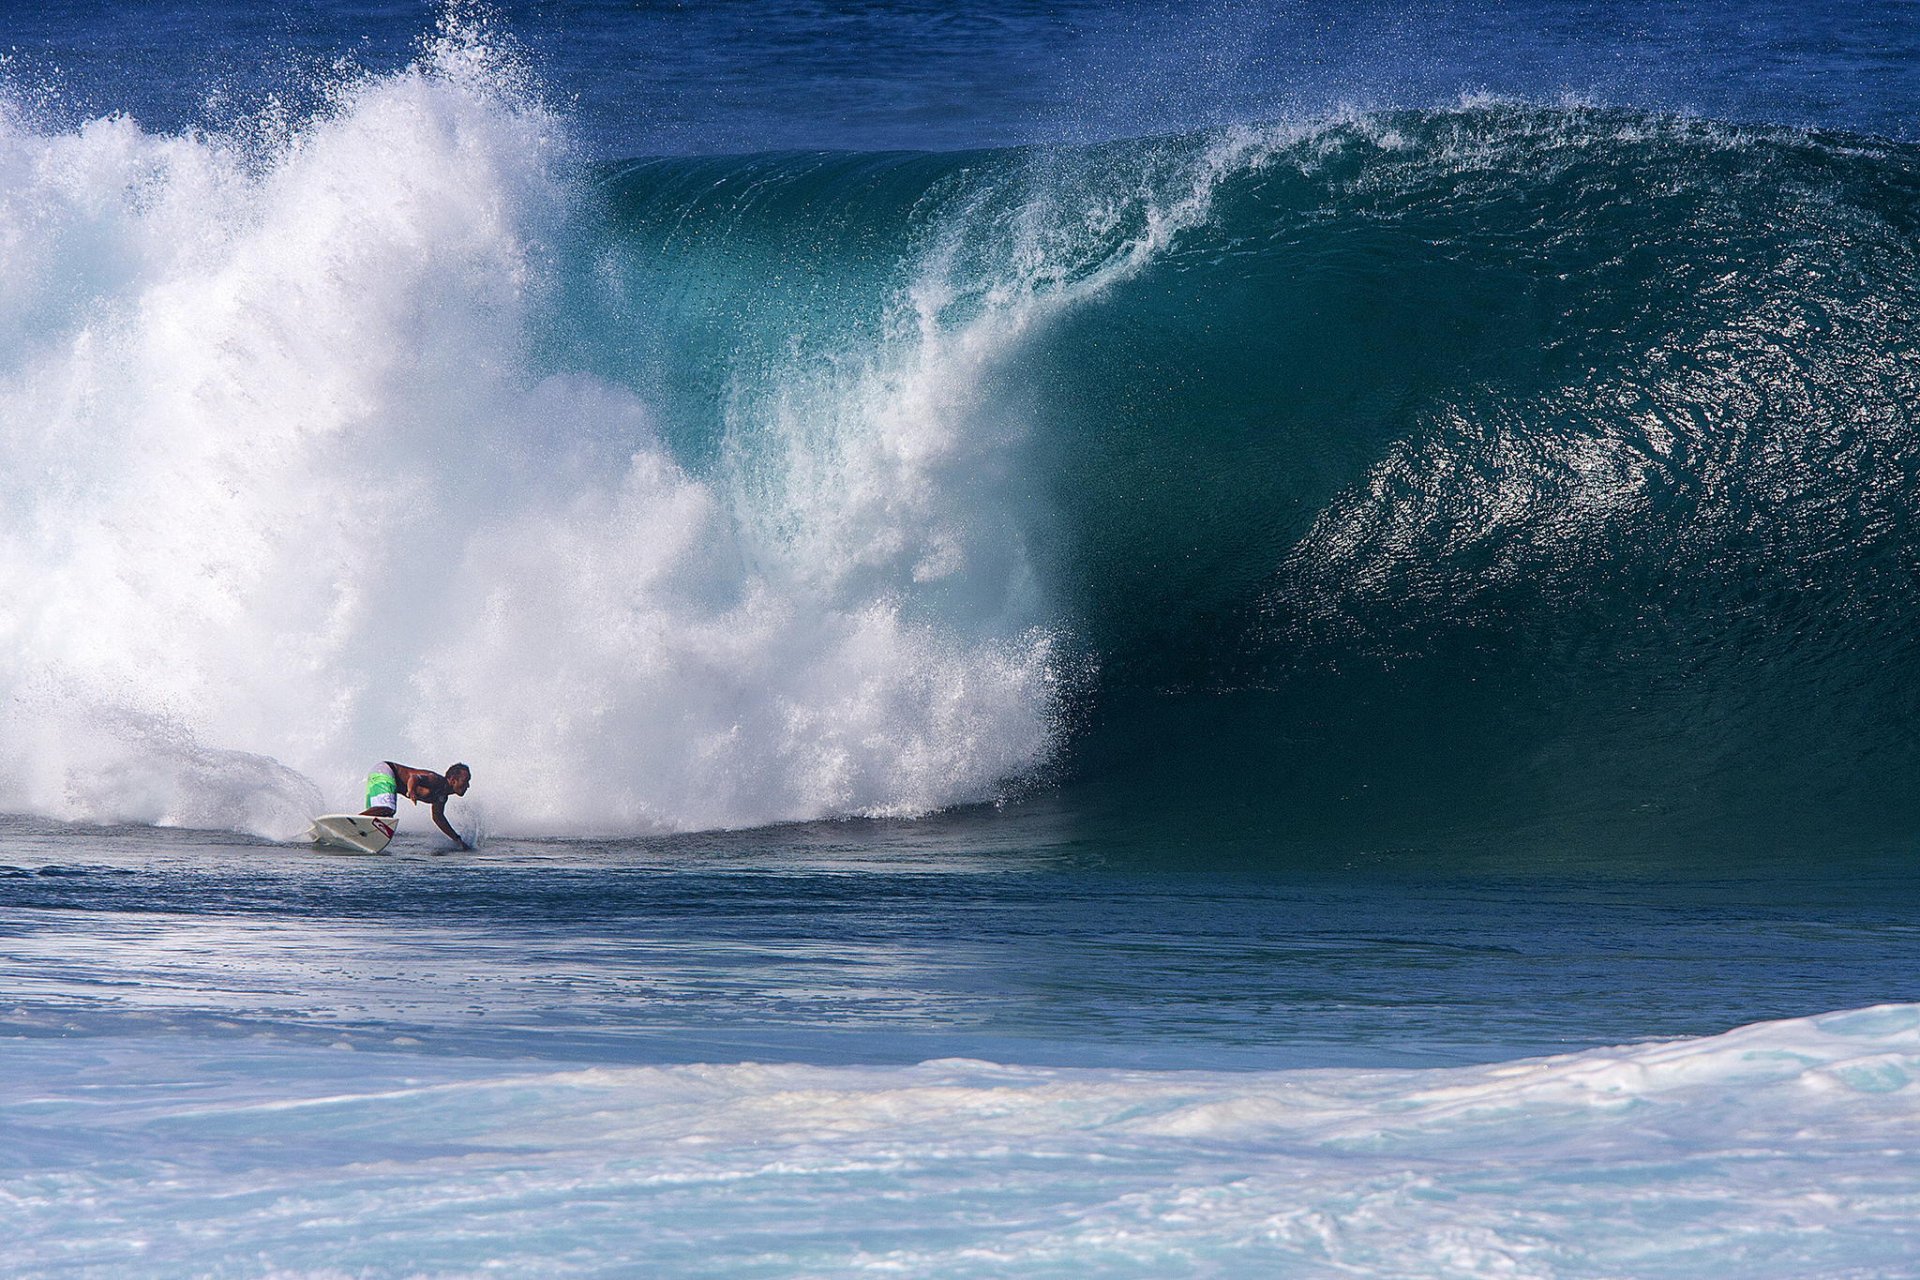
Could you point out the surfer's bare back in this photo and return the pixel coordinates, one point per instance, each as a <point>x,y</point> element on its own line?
<point>389,781</point>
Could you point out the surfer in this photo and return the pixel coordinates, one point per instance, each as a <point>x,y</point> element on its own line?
<point>389,781</point>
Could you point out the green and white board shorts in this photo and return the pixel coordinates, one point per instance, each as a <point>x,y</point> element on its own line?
<point>383,790</point>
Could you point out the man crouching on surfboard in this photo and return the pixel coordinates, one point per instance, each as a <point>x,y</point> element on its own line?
<point>389,781</point>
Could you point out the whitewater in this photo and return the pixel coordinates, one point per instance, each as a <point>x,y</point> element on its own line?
<point>290,492</point>
<point>1779,1150</point>
<point>1086,647</point>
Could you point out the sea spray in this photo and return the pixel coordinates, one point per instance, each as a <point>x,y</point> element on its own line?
<point>281,482</point>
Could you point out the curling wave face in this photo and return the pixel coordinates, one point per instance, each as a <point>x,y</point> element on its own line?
<point>1533,470</point>
<point>1489,471</point>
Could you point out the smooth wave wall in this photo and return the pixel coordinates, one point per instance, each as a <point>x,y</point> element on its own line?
<point>1512,469</point>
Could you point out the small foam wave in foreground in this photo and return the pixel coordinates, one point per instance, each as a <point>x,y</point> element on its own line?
<point>1781,1149</point>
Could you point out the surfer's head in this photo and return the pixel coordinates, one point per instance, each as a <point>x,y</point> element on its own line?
<point>458,776</point>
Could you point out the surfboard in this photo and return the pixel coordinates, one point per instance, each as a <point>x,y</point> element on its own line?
<point>352,832</point>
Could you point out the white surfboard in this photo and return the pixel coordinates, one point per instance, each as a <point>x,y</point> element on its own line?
<point>351,832</point>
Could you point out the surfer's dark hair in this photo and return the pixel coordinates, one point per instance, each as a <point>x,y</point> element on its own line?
<point>456,765</point>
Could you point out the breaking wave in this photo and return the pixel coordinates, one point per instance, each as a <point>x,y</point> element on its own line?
<point>1504,467</point>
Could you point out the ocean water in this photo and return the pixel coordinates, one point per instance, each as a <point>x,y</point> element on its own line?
<point>1229,639</point>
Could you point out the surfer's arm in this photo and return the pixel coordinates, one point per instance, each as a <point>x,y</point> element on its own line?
<point>440,820</point>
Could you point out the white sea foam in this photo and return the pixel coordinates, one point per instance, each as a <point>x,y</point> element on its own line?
<point>279,497</point>
<point>1782,1149</point>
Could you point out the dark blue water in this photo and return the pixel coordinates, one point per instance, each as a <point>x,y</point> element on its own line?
<point>1023,938</point>
<point>641,79</point>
